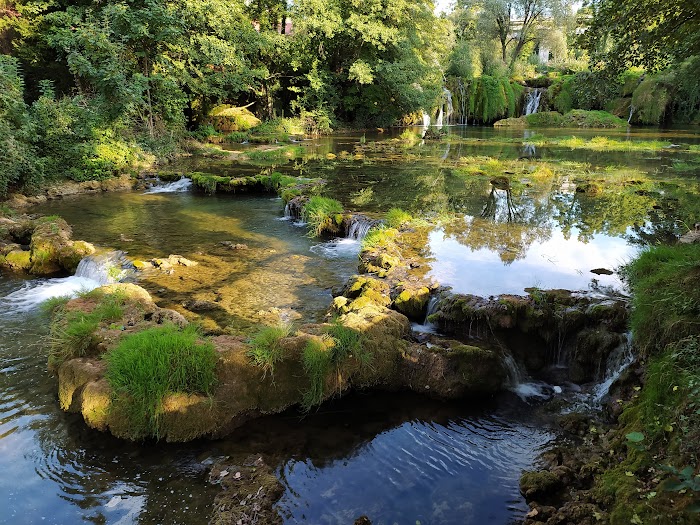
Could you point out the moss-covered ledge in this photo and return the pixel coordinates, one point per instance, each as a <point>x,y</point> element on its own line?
<point>40,246</point>
<point>366,347</point>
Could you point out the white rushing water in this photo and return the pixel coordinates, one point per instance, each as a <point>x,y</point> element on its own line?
<point>359,226</point>
<point>532,102</point>
<point>182,185</point>
<point>426,327</point>
<point>92,272</point>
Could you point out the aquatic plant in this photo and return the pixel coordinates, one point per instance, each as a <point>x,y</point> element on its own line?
<point>147,366</point>
<point>321,214</point>
<point>265,348</point>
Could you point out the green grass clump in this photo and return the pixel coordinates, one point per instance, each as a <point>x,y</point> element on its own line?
<point>73,331</point>
<point>336,346</point>
<point>278,154</point>
<point>377,236</point>
<point>265,348</point>
<point>665,281</point>
<point>396,217</point>
<point>53,304</point>
<point>147,366</point>
<point>321,214</point>
<point>545,119</point>
<point>317,364</point>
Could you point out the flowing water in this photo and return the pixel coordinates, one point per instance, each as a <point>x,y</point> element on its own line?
<point>397,458</point>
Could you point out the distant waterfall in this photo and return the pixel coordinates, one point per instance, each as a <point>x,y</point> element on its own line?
<point>532,101</point>
<point>426,124</point>
<point>463,103</point>
<point>177,186</point>
<point>445,110</point>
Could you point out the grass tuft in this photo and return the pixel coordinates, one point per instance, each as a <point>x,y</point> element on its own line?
<point>396,217</point>
<point>147,366</point>
<point>265,349</point>
<point>73,331</point>
<point>321,214</point>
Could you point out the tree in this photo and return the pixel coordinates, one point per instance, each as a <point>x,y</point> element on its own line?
<point>515,23</point>
<point>648,33</point>
<point>370,61</point>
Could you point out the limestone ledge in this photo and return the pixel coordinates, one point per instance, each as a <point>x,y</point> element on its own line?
<point>244,391</point>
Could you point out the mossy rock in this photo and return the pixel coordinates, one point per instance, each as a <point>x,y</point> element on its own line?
<point>540,486</point>
<point>412,302</point>
<point>16,260</point>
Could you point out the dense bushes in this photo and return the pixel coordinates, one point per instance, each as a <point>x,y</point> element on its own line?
<point>485,99</point>
<point>53,139</point>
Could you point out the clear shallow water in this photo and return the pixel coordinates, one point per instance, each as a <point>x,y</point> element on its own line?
<point>280,267</point>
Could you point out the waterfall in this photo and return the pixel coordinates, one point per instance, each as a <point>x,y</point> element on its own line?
<point>463,102</point>
<point>92,272</point>
<point>177,186</point>
<point>288,212</point>
<point>618,361</point>
<point>632,110</point>
<point>449,108</point>
<point>426,124</point>
<point>438,122</point>
<point>359,226</point>
<point>427,327</point>
<point>532,102</point>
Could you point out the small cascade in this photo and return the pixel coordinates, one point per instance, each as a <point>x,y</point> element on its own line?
<point>618,361</point>
<point>92,272</point>
<point>426,124</point>
<point>427,327</point>
<point>177,186</point>
<point>632,110</point>
<point>449,108</point>
<point>438,122</point>
<point>446,109</point>
<point>359,226</point>
<point>524,386</point>
<point>532,100</point>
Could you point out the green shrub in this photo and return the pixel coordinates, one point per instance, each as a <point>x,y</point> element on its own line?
<point>265,348</point>
<point>147,366</point>
<point>321,214</point>
<point>396,217</point>
<point>317,363</point>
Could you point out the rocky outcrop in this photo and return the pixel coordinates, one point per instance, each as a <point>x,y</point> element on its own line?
<point>67,188</point>
<point>51,250</point>
<point>543,328</point>
<point>385,360</point>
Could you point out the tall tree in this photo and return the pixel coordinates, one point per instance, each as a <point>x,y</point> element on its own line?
<point>515,23</point>
<point>648,33</point>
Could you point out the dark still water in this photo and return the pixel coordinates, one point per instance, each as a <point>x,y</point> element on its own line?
<point>396,458</point>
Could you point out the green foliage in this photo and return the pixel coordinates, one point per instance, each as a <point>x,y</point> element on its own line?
<point>329,353</point>
<point>321,214</point>
<point>73,331</point>
<point>665,281</point>
<point>317,364</point>
<point>149,365</point>
<point>396,217</point>
<point>626,33</point>
<point>53,304</point>
<point>265,348</point>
